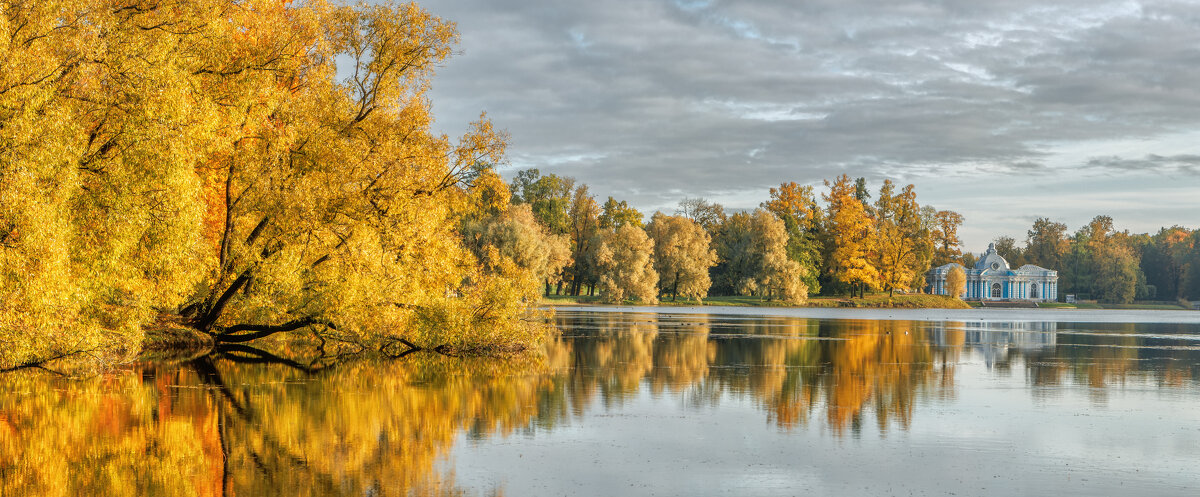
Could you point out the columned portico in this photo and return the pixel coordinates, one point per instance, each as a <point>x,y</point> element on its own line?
<point>992,279</point>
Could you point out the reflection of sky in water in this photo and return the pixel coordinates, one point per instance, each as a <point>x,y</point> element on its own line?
<point>993,407</point>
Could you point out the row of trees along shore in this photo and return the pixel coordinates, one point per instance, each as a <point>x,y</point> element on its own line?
<point>1097,262</point>
<point>793,245</point>
<point>846,243</point>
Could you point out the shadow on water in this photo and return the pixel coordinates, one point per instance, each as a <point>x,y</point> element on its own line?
<point>248,421</point>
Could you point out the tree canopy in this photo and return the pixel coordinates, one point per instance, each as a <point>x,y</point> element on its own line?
<point>682,256</point>
<point>205,158</point>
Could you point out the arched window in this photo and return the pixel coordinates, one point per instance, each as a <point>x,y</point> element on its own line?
<point>1033,291</point>
<point>996,290</point>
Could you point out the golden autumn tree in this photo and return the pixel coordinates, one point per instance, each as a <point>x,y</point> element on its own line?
<point>615,214</point>
<point>900,236</point>
<point>1046,243</point>
<point>753,259</point>
<point>206,157</point>
<point>850,230</point>
<point>956,282</point>
<point>513,244</point>
<point>796,206</point>
<point>945,237</point>
<point>107,111</point>
<point>624,261</point>
<point>682,256</point>
<point>549,197</point>
<point>341,206</point>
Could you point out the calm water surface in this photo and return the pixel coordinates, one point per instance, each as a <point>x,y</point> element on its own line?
<point>671,402</point>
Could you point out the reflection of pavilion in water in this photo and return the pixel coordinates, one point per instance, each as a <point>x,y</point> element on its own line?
<point>995,339</point>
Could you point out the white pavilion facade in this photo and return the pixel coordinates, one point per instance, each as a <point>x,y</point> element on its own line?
<point>992,279</point>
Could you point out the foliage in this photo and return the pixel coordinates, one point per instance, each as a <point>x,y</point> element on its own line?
<point>584,224</point>
<point>901,237</point>
<point>945,237</point>
<point>549,197</point>
<point>203,157</point>
<point>103,122</point>
<point>708,215</point>
<point>796,206</point>
<point>969,259</point>
<point>1046,243</point>
<point>1007,247</point>
<point>753,259</point>
<point>851,234</point>
<point>956,282</point>
<point>682,256</point>
<point>514,240</point>
<point>616,214</point>
<point>625,265</point>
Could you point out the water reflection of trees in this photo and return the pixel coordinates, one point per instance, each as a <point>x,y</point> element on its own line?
<point>250,423</point>
<point>1095,356</point>
<point>790,367</point>
<point>1100,356</point>
<point>841,370</point>
<point>212,426</point>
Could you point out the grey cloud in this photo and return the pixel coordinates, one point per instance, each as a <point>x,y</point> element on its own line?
<point>1186,163</point>
<point>652,100</point>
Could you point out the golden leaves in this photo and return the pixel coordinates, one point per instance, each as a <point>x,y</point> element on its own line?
<point>203,153</point>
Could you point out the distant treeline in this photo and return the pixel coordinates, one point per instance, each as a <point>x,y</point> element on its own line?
<point>793,245</point>
<point>847,241</point>
<point>1098,262</point>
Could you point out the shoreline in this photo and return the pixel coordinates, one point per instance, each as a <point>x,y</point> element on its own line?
<point>973,314</point>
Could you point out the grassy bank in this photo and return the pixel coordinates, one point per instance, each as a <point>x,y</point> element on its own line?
<point>1133,306</point>
<point>870,301</point>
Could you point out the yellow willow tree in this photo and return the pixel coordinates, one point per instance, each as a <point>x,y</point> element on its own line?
<point>624,262</point>
<point>850,230</point>
<point>340,206</point>
<point>514,244</point>
<point>752,250</point>
<point>205,157</point>
<point>682,256</point>
<point>105,115</point>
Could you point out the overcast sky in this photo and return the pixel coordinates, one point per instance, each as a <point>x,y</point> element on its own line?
<point>1004,111</point>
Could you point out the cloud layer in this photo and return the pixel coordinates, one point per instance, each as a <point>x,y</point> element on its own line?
<point>652,100</point>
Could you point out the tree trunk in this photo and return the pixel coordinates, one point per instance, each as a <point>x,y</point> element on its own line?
<point>233,334</point>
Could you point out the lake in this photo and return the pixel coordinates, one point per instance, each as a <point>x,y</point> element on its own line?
<point>648,401</point>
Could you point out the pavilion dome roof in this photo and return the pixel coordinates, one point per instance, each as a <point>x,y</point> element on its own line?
<point>992,260</point>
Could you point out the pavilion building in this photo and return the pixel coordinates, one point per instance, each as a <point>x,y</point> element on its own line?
<point>992,279</point>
